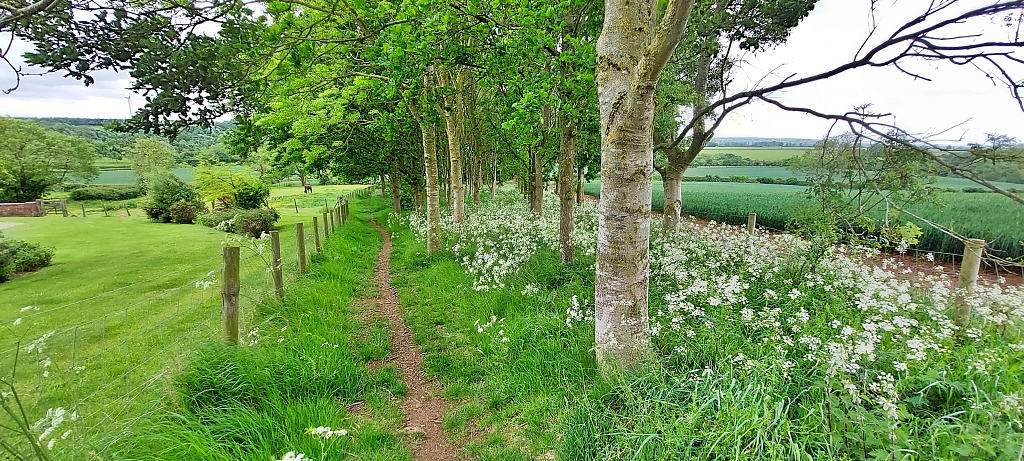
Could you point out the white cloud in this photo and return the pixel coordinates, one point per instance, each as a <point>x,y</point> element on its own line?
<point>830,36</point>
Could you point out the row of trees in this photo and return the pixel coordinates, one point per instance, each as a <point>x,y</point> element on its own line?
<point>451,97</point>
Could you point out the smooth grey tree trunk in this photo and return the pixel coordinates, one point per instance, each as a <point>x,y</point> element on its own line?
<point>566,191</point>
<point>579,186</point>
<point>454,118</point>
<point>630,58</point>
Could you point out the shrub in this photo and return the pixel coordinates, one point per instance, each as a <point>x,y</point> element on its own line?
<point>108,193</point>
<point>183,212</point>
<point>18,256</point>
<point>251,222</point>
<point>252,195</point>
<point>165,189</point>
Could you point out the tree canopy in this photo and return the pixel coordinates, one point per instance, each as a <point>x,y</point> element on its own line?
<point>33,160</point>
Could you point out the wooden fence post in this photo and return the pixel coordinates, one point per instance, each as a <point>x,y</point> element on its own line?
<point>968,277</point>
<point>229,293</point>
<point>296,202</point>
<point>327,226</point>
<point>126,208</point>
<point>316,235</point>
<point>83,209</point>
<point>751,222</point>
<point>104,205</point>
<point>64,207</point>
<point>337,216</point>
<point>300,246</point>
<point>275,259</point>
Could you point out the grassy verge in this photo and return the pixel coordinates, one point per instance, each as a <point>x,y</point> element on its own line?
<point>505,359</point>
<point>307,369</point>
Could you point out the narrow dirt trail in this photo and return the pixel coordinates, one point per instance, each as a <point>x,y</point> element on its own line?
<point>422,410</point>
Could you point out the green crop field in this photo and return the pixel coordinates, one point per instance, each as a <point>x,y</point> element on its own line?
<point>759,153</point>
<point>128,176</point>
<point>992,217</point>
<point>748,171</point>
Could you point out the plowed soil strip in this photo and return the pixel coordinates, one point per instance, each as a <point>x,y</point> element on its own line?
<point>422,410</point>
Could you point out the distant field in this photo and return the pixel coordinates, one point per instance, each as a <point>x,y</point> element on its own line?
<point>759,153</point>
<point>128,176</point>
<point>783,172</point>
<point>748,171</point>
<point>995,218</point>
<point>105,163</point>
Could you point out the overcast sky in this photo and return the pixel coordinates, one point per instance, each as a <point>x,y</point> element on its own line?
<point>830,35</point>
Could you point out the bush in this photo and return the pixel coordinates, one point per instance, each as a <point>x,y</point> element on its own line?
<point>108,193</point>
<point>18,256</point>
<point>250,222</point>
<point>252,195</point>
<point>166,189</point>
<point>183,212</point>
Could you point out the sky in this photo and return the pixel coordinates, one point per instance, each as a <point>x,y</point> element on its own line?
<point>959,105</point>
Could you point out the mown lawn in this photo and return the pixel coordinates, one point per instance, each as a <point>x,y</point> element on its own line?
<point>122,309</point>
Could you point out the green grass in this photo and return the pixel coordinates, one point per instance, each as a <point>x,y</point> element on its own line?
<point>539,391</point>
<point>106,163</point>
<point>257,402</point>
<point>122,302</point>
<point>991,217</point>
<point>507,398</point>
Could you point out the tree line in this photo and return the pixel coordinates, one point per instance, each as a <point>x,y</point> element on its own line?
<point>450,98</point>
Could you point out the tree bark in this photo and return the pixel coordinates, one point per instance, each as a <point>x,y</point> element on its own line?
<point>566,191</point>
<point>429,135</point>
<point>433,197</point>
<point>678,160</point>
<point>477,181</point>
<point>672,180</point>
<point>494,177</point>
<point>454,120</point>
<point>630,58</point>
<point>579,186</point>
<point>396,194</point>
<point>536,182</point>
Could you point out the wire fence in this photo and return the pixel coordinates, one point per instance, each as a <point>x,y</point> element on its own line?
<point>104,373</point>
<point>997,267</point>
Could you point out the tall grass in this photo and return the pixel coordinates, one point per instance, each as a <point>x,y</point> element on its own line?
<point>303,368</point>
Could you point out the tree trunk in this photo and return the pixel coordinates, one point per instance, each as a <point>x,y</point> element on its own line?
<point>536,182</point>
<point>494,177</point>
<point>630,58</point>
<point>429,134</point>
<point>679,160</point>
<point>477,181</point>
<point>433,198</point>
<point>579,186</point>
<point>454,121</point>
<point>672,180</point>
<point>566,191</point>
<point>396,194</point>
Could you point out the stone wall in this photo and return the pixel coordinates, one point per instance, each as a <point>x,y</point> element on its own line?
<point>21,209</point>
